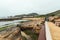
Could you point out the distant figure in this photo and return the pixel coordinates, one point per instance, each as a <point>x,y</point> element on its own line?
<point>46,19</point>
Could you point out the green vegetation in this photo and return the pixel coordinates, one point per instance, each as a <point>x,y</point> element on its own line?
<point>23,38</point>
<point>31,14</point>
<point>33,35</point>
<point>56,13</point>
<point>40,16</point>
<point>3,28</point>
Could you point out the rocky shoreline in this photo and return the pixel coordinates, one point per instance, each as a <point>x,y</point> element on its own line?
<point>11,33</point>
<point>28,30</point>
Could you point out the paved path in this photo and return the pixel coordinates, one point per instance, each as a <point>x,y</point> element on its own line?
<point>48,33</point>
<point>55,31</point>
<point>42,35</point>
<point>45,33</point>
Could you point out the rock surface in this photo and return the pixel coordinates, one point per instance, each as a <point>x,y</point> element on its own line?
<point>11,33</point>
<point>34,25</point>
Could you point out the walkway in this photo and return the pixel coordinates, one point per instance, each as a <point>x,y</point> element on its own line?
<point>45,33</point>
<point>55,31</point>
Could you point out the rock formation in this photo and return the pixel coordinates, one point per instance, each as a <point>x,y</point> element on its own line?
<point>11,33</point>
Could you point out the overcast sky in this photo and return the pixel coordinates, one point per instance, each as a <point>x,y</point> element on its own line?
<point>16,7</point>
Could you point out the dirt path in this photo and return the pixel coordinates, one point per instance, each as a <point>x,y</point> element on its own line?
<point>55,31</point>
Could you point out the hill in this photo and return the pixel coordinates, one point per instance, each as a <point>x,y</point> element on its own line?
<point>27,15</point>
<point>56,13</point>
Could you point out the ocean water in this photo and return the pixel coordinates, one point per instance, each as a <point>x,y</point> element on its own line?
<point>10,22</point>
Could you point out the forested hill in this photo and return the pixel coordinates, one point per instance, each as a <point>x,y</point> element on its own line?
<point>37,15</point>
<point>54,13</point>
<point>31,14</point>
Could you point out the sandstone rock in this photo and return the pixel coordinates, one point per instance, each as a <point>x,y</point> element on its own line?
<point>26,36</point>
<point>34,25</point>
<point>12,33</point>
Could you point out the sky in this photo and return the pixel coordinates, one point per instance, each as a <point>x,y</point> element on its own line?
<point>17,7</point>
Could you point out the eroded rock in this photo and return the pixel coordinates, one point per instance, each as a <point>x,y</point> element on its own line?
<point>12,33</point>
